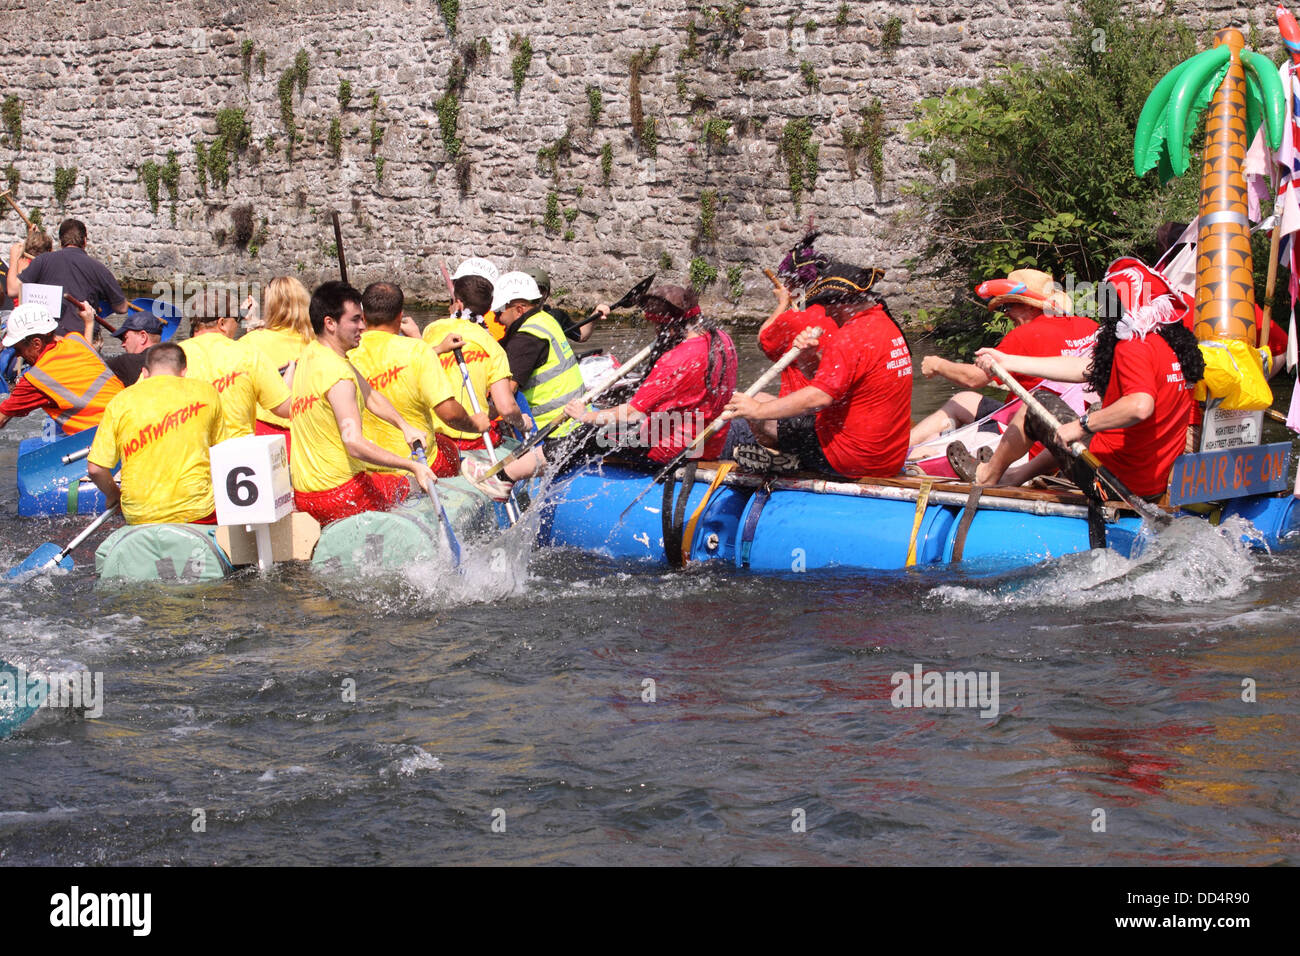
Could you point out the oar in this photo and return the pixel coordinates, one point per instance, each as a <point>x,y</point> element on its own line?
<point>104,322</point>
<point>1151,514</point>
<point>612,378</point>
<point>417,452</point>
<point>633,296</point>
<point>7,195</point>
<point>718,422</point>
<point>50,554</point>
<point>338,246</point>
<point>512,509</point>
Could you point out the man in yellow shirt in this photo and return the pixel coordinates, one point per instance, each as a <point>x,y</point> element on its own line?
<point>407,372</point>
<point>489,369</point>
<point>243,376</point>
<point>330,451</point>
<point>160,428</point>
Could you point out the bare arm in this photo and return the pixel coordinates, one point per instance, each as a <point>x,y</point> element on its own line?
<point>605,416</point>
<point>12,285</point>
<point>454,414</point>
<point>342,398</point>
<point>1058,368</point>
<point>1129,410</point>
<point>807,399</point>
<point>502,393</point>
<point>103,479</point>
<point>960,373</point>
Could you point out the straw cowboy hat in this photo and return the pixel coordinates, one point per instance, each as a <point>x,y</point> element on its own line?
<point>1028,286</point>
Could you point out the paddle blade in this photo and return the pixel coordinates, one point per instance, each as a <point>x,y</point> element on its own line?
<point>14,710</point>
<point>37,561</point>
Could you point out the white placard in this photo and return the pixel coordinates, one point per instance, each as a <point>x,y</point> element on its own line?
<point>250,480</point>
<point>1226,428</point>
<point>48,297</point>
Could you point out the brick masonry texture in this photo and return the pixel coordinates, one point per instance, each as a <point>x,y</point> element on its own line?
<point>107,86</point>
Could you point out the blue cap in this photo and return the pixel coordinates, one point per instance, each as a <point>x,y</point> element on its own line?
<point>139,321</point>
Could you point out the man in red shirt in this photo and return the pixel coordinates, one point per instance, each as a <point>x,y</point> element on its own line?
<point>861,393</point>
<point>1042,327</point>
<point>1144,366</point>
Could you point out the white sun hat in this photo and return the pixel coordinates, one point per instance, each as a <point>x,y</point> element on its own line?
<point>475,266</point>
<point>512,286</point>
<point>28,320</point>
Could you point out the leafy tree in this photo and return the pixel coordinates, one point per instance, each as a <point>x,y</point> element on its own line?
<point>1034,167</point>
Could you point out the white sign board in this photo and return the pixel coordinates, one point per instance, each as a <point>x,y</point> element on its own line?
<point>1231,429</point>
<point>250,479</point>
<point>48,297</point>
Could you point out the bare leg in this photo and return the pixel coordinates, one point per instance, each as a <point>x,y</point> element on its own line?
<point>1014,443</point>
<point>959,410</point>
<point>1041,464</point>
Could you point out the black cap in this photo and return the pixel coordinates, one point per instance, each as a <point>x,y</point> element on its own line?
<point>139,321</point>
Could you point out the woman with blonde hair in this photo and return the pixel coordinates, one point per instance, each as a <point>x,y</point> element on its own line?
<point>286,331</point>
<point>21,255</point>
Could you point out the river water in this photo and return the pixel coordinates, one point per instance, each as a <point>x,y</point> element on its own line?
<point>566,709</point>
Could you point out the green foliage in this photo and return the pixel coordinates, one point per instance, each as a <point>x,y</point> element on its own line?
<point>523,48</point>
<point>150,175</point>
<point>708,214</point>
<point>450,10</point>
<point>842,17</point>
<point>809,75</point>
<point>800,154</point>
<point>692,48</point>
<point>551,221</point>
<point>665,262</point>
<point>702,275</point>
<point>746,75</point>
<point>37,218</point>
<point>448,108</point>
<point>810,26</point>
<point>345,94</point>
<point>606,163</point>
<point>170,174</point>
<point>595,101</point>
<point>201,166</point>
<point>869,136</point>
<point>379,169</point>
<point>234,129</point>
<point>11,110</point>
<point>1034,167</point>
<point>548,157</point>
<point>374,101</point>
<point>482,48</point>
<point>64,180</point>
<point>301,70</point>
<point>639,61</point>
<point>12,178</point>
<point>570,235</point>
<point>891,35</point>
<point>735,282</point>
<point>246,59</point>
<point>258,240</point>
<point>650,136</point>
<point>335,138</point>
<point>376,136</point>
<point>284,90</point>
<point>715,132</point>
<point>728,21</point>
<point>570,215</point>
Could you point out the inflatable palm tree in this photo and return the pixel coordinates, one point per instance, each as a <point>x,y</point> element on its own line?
<point>1240,87</point>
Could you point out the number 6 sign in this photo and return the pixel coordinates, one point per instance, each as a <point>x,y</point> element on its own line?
<point>250,480</point>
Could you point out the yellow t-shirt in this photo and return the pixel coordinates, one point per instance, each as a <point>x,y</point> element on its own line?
<point>241,375</point>
<point>406,372</point>
<point>320,461</point>
<point>484,357</point>
<point>161,428</point>
<point>279,347</point>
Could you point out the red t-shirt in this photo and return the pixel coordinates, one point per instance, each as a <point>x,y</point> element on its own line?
<point>680,402</point>
<point>778,336</point>
<point>866,369</point>
<point>1142,455</point>
<point>1049,335</point>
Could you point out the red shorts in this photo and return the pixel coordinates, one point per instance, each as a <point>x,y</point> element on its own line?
<point>447,462</point>
<point>364,491</point>
<point>263,428</point>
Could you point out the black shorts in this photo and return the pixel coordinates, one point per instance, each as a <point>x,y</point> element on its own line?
<point>987,407</point>
<point>798,436</point>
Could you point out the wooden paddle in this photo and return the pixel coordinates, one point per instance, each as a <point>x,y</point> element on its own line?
<point>50,554</point>
<point>1152,515</point>
<point>718,422</point>
<point>78,304</point>
<point>453,545</point>
<point>600,388</point>
<point>512,508</point>
<point>7,195</point>
<point>338,246</point>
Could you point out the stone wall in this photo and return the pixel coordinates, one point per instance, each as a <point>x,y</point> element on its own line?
<point>110,86</point>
